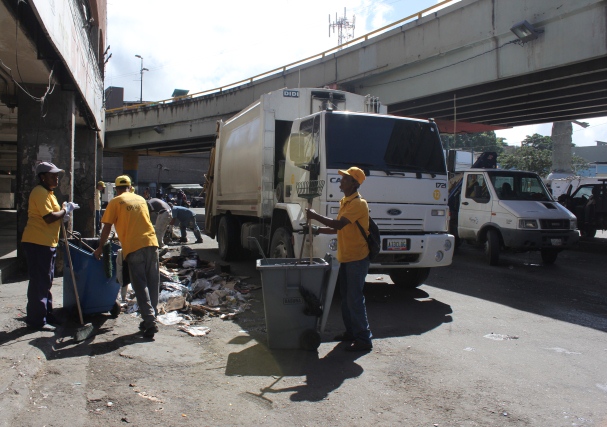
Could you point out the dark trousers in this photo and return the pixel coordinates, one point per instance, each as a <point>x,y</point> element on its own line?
<point>41,269</point>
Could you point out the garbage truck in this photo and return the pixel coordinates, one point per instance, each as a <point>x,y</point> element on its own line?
<point>291,137</point>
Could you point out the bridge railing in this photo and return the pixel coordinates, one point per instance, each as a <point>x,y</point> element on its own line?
<point>283,68</point>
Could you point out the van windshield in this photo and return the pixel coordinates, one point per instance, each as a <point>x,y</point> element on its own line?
<point>519,186</point>
<point>388,144</point>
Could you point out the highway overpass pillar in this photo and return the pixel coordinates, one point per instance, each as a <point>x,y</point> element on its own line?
<point>85,179</point>
<point>45,133</point>
<point>130,165</point>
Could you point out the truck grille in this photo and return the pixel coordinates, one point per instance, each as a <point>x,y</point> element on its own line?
<point>554,224</point>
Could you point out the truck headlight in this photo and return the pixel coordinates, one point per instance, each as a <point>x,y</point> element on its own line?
<point>333,244</point>
<point>438,212</point>
<point>573,224</point>
<point>528,224</point>
<point>447,245</point>
<point>439,256</point>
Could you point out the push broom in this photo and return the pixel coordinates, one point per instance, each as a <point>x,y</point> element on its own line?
<point>84,331</point>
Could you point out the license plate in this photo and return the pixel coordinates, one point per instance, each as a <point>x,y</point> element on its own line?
<point>556,242</point>
<point>397,244</point>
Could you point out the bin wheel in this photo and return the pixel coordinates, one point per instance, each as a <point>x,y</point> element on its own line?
<point>309,340</point>
<point>116,309</point>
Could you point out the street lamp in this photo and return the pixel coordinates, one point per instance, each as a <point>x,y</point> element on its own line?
<point>141,79</point>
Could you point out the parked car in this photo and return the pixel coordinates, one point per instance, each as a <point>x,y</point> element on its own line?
<point>589,204</point>
<point>198,201</point>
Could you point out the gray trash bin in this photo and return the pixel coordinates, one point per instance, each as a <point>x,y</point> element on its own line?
<point>287,324</point>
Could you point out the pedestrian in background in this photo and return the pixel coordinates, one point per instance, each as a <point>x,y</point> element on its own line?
<point>98,190</point>
<point>129,214</point>
<point>353,255</point>
<point>39,242</point>
<point>163,218</point>
<point>186,218</point>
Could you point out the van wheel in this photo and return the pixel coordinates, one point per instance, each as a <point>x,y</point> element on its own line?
<point>409,277</point>
<point>590,231</point>
<point>281,246</point>
<point>492,247</point>
<point>228,238</point>
<point>549,256</point>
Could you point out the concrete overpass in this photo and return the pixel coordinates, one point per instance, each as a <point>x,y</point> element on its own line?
<point>461,65</point>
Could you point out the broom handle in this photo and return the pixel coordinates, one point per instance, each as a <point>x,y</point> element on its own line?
<point>69,258</point>
<point>80,240</point>
<point>310,231</point>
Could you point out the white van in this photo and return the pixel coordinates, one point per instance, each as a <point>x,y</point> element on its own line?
<point>505,209</point>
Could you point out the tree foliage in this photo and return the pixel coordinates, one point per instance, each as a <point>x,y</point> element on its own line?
<point>528,158</point>
<point>477,142</point>
<point>537,141</point>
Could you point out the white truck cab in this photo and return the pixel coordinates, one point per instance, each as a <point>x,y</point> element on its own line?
<point>505,209</point>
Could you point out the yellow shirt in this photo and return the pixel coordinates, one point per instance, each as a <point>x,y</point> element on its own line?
<point>351,245</point>
<point>41,203</point>
<point>129,214</point>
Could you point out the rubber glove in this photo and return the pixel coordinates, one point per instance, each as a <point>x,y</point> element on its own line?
<point>70,207</point>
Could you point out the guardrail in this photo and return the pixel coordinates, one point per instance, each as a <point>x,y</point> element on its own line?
<point>220,89</point>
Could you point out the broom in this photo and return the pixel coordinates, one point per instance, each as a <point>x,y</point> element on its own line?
<point>84,331</point>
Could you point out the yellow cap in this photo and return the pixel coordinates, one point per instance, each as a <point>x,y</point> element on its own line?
<point>101,183</point>
<point>123,181</point>
<point>355,173</point>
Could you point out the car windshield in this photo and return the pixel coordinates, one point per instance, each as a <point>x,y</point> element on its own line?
<point>519,186</point>
<point>390,144</point>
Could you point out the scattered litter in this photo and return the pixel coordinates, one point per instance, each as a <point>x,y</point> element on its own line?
<point>192,289</point>
<point>562,350</point>
<point>500,337</point>
<point>110,404</point>
<point>171,318</point>
<point>149,397</point>
<point>196,331</point>
<point>469,349</point>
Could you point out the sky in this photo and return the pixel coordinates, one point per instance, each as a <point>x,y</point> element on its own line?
<point>200,45</point>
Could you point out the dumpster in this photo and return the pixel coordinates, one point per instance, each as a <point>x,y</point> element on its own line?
<point>97,292</point>
<point>288,286</point>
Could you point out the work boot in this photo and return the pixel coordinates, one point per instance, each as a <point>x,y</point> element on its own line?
<point>198,236</point>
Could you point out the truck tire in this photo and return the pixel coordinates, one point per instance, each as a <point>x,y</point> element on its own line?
<point>281,246</point>
<point>549,256</point>
<point>492,247</point>
<point>228,238</point>
<point>409,277</point>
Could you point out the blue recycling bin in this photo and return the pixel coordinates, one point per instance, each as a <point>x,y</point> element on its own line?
<point>97,292</point>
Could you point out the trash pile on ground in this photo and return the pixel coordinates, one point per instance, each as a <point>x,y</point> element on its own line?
<point>191,289</point>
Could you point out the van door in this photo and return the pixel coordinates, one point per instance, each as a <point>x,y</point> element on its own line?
<point>475,205</point>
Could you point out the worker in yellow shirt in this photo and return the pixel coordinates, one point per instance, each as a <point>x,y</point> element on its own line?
<point>129,214</point>
<point>353,255</point>
<point>39,242</point>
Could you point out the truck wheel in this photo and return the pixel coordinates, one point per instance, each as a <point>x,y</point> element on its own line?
<point>409,277</point>
<point>228,238</point>
<point>492,247</point>
<point>281,246</point>
<point>549,256</point>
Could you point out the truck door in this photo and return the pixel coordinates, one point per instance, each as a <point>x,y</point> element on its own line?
<point>475,205</point>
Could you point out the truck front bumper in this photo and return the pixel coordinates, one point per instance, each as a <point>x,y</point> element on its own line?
<point>539,239</point>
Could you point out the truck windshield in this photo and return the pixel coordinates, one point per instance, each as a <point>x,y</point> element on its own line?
<point>388,144</point>
<point>519,186</point>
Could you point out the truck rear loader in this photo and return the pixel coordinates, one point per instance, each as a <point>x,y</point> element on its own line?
<point>293,136</point>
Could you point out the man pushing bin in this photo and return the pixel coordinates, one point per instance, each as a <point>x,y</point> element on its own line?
<point>129,214</point>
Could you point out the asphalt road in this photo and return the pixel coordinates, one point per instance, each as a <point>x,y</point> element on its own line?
<point>520,344</point>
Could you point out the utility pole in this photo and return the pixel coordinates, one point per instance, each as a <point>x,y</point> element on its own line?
<point>343,26</point>
<point>141,79</point>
